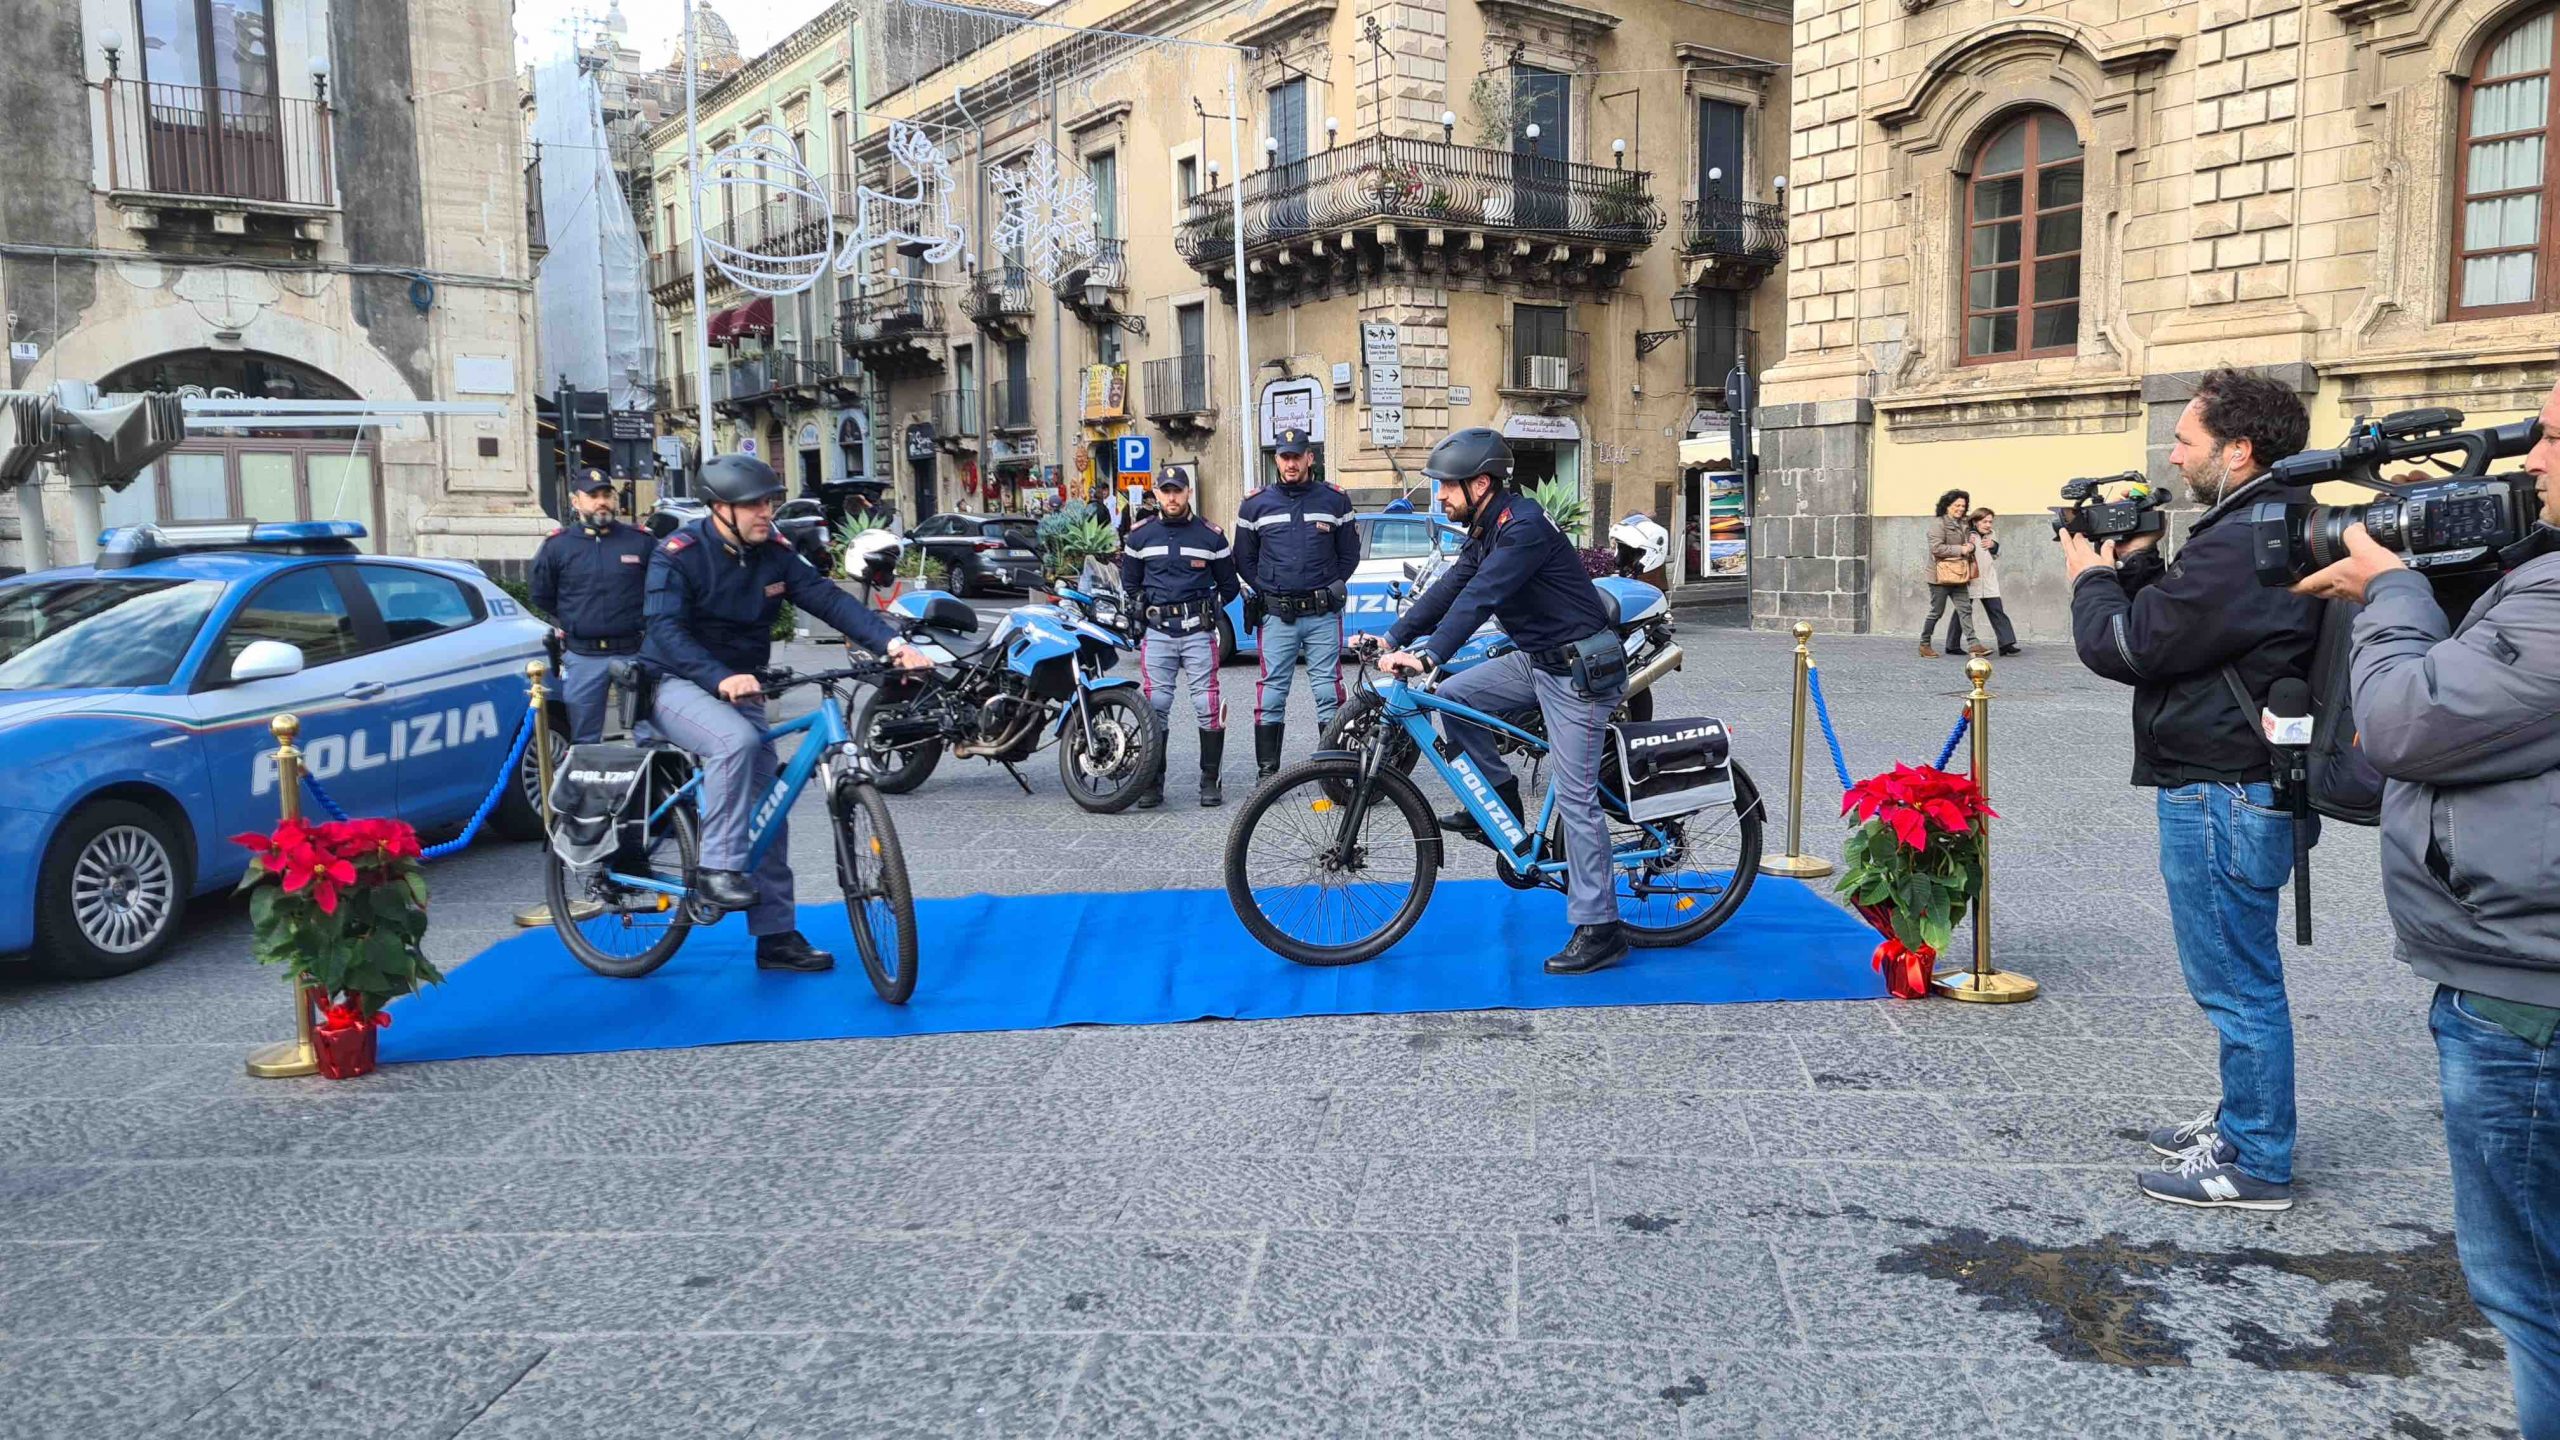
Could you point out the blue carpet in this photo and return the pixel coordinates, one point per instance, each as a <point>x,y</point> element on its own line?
<point>1029,962</point>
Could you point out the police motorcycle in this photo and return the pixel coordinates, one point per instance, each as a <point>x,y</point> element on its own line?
<point>1640,613</point>
<point>1042,674</point>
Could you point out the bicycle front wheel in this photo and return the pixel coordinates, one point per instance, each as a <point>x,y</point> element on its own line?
<point>622,932</point>
<point>878,902</point>
<point>1316,895</point>
<point>1705,867</point>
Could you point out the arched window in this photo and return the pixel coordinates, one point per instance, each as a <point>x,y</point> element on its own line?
<point>2022,241</point>
<point>2504,232</point>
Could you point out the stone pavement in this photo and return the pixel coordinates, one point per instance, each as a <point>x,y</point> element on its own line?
<point>1851,1219</point>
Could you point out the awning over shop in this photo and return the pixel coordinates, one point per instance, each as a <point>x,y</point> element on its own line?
<point>1713,449</point>
<point>753,318</point>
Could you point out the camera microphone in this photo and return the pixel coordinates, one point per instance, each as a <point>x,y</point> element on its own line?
<point>2286,720</point>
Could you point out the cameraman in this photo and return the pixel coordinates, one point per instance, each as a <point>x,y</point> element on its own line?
<point>2465,720</point>
<point>2184,635</point>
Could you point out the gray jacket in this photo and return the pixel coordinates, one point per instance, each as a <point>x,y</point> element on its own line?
<point>2468,729</point>
<point>1947,537</point>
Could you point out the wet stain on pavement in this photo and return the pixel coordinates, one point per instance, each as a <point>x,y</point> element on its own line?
<point>1691,1387</point>
<point>1082,1300</point>
<point>1648,1224</point>
<point>2102,1300</point>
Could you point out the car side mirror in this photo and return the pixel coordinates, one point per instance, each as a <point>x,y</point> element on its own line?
<point>266,660</point>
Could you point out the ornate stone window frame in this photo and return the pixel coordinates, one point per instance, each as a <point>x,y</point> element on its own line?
<point>1970,87</point>
<point>1710,74</point>
<point>1294,44</point>
<point>1551,35</point>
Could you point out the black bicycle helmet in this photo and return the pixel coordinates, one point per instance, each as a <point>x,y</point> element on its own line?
<point>738,480</point>
<point>1469,453</point>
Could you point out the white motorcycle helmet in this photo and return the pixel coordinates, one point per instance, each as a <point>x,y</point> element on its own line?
<point>873,557</point>
<point>1642,545</point>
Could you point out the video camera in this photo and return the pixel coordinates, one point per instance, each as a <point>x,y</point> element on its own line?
<point>2457,525</point>
<point>2137,512</point>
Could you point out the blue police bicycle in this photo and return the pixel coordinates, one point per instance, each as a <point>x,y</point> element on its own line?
<point>1333,859</point>
<point>630,908</point>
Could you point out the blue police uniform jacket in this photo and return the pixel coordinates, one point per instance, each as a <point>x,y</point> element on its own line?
<point>591,584</point>
<point>1296,539</point>
<point>1517,567</point>
<point>712,603</point>
<point>1167,562</point>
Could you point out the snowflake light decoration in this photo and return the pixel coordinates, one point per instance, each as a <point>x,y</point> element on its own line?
<point>1048,216</point>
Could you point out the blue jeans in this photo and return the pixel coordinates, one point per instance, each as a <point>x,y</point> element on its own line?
<point>2225,855</point>
<point>2499,1124</point>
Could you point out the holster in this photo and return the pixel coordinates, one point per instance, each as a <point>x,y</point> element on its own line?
<point>1596,664</point>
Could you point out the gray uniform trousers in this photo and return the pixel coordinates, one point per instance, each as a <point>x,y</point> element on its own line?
<point>1316,637</point>
<point>1164,659</point>
<point>738,764</point>
<point>584,680</point>
<point>1577,729</point>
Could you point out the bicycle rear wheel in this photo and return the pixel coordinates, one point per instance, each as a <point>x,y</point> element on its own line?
<point>1301,893</point>
<point>1677,898</point>
<point>878,902</point>
<point>622,932</point>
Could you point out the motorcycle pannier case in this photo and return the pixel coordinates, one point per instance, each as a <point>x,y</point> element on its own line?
<point>1668,768</point>
<point>599,807</point>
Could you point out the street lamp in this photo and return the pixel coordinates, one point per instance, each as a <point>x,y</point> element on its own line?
<point>1715,182</point>
<point>1618,154</point>
<point>320,78</point>
<point>1270,150</point>
<point>1532,131</point>
<point>1684,313</point>
<point>1448,127</point>
<point>1331,128</point>
<point>111,41</point>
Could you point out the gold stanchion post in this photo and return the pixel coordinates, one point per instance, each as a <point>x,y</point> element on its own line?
<point>1982,983</point>
<point>1795,863</point>
<point>288,1058</point>
<point>539,915</point>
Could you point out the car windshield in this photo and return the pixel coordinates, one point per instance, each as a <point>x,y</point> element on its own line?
<point>1016,533</point>
<point>74,634</point>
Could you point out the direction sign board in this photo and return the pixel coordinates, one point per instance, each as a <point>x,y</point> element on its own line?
<point>1386,384</point>
<point>1378,344</point>
<point>1386,425</point>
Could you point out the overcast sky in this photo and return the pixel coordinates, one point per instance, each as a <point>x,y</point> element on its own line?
<point>542,24</point>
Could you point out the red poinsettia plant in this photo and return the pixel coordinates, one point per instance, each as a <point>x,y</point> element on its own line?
<point>343,907</point>
<point>1913,864</point>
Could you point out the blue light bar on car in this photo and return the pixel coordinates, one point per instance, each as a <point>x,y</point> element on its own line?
<point>133,544</point>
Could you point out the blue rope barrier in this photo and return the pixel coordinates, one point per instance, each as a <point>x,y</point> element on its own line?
<point>1831,737</point>
<point>1955,738</point>
<point>479,816</point>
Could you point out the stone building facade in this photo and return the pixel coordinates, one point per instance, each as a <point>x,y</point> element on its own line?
<point>293,199</point>
<point>1520,188</point>
<point>2350,195</point>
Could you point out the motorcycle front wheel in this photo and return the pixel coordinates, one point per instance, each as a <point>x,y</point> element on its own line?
<point>1109,751</point>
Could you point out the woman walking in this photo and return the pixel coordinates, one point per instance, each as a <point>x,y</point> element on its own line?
<point>1951,553</point>
<point>1986,580</point>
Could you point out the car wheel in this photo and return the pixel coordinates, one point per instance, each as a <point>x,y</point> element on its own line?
<point>519,812</point>
<point>110,892</point>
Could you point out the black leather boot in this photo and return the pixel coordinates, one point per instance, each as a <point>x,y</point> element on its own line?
<point>791,950</point>
<point>1462,822</point>
<point>728,889</point>
<point>1266,751</point>
<point>1593,947</point>
<point>1153,795</point>
<point>1213,753</point>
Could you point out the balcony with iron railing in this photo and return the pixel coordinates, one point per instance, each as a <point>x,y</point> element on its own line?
<point>1089,288</point>
<point>1009,406</point>
<point>1182,392</point>
<point>955,413</point>
<point>676,393</point>
<point>219,150</point>
<point>1742,240</point>
<point>893,331</point>
<point>1000,300</point>
<point>1452,209</point>
<point>1544,367</point>
<point>671,276</point>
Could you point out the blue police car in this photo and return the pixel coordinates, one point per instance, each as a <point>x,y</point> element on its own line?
<point>135,695</point>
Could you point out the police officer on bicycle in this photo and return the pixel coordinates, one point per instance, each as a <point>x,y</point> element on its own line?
<point>1296,546</point>
<point>714,589</point>
<point>589,577</point>
<point>1180,571</point>
<point>1516,565</point>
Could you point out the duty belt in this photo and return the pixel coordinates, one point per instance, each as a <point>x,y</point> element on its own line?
<point>603,645</point>
<point>1189,612</point>
<point>1297,604</point>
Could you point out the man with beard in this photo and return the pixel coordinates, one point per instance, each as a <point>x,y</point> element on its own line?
<point>2201,642</point>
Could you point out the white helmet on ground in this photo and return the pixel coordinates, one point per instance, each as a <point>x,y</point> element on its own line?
<point>873,557</point>
<point>1641,544</point>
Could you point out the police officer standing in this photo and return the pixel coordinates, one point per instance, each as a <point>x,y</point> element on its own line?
<point>1518,566</point>
<point>1180,571</point>
<point>715,586</point>
<point>1296,546</point>
<point>589,578</point>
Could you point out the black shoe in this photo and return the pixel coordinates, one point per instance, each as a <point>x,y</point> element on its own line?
<point>1266,751</point>
<point>1152,796</point>
<point>1593,947</point>
<point>1213,755</point>
<point>2011,650</point>
<point>791,950</point>
<point>1462,822</point>
<point>728,889</point>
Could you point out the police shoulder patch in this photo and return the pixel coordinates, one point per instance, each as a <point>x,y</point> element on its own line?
<point>677,541</point>
<point>556,529</point>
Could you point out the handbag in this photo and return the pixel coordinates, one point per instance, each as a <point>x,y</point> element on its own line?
<point>1958,571</point>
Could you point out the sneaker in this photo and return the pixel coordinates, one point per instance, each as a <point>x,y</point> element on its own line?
<point>2174,1141</point>
<point>2209,1183</point>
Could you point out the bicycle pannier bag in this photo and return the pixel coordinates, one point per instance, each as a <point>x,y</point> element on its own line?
<point>599,807</point>
<point>1668,768</point>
